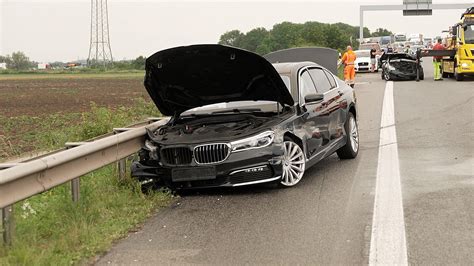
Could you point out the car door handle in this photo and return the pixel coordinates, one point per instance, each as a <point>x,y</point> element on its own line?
<point>340,93</point>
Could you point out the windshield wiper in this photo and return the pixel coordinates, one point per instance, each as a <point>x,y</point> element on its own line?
<point>238,111</point>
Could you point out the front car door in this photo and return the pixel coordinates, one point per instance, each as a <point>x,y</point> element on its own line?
<point>326,84</point>
<point>314,125</point>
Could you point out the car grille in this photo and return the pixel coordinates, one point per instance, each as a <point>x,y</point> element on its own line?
<point>211,153</point>
<point>177,155</point>
<point>250,176</point>
<point>363,64</point>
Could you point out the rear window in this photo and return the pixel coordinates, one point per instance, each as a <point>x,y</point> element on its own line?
<point>286,80</point>
<point>364,53</point>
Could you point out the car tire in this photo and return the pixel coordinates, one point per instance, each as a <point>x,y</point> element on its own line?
<point>386,76</point>
<point>457,76</point>
<point>445,75</point>
<point>293,164</point>
<point>351,149</point>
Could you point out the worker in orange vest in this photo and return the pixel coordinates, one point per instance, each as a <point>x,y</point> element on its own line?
<point>348,59</point>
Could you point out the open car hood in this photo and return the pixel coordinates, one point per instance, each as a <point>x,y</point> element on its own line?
<point>182,78</point>
<point>392,56</point>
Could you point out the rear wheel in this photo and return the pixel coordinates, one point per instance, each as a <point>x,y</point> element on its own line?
<point>293,164</point>
<point>445,75</point>
<point>351,149</point>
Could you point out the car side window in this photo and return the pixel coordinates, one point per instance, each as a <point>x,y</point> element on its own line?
<point>320,80</point>
<point>332,81</point>
<point>306,85</point>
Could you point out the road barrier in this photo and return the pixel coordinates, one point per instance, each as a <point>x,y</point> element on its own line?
<point>19,181</point>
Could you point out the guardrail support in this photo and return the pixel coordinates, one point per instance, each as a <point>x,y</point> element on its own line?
<point>122,169</point>
<point>76,189</point>
<point>8,225</point>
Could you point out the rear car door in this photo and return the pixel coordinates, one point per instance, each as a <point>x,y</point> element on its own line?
<point>332,102</point>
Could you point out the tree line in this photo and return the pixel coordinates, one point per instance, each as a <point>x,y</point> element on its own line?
<point>20,62</point>
<point>287,35</point>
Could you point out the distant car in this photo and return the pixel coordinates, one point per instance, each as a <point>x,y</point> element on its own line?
<point>238,120</point>
<point>369,46</point>
<point>362,63</point>
<point>400,66</point>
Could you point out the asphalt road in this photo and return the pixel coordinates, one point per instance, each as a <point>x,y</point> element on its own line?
<point>328,217</point>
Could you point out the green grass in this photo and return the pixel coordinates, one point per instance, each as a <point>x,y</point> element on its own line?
<point>30,133</point>
<point>50,229</point>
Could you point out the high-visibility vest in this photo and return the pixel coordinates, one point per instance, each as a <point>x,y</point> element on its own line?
<point>348,58</point>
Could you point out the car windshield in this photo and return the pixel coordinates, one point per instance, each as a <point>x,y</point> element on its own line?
<point>239,106</point>
<point>234,107</point>
<point>364,53</point>
<point>469,34</point>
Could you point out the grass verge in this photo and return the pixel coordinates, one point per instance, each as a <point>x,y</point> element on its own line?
<point>22,134</point>
<point>50,228</point>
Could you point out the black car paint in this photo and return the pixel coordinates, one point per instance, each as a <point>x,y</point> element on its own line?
<point>318,127</point>
<point>400,66</point>
<point>214,74</point>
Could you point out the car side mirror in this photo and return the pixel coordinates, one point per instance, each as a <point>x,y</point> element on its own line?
<point>316,97</point>
<point>461,43</point>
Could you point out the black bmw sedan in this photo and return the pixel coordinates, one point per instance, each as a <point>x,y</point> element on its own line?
<point>400,66</point>
<point>238,120</point>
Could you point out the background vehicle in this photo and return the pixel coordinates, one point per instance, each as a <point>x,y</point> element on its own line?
<point>400,66</point>
<point>461,44</point>
<point>400,37</point>
<point>428,42</point>
<point>362,63</point>
<point>370,45</point>
<point>385,40</point>
<point>239,120</point>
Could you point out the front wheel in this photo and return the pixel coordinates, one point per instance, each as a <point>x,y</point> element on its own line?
<point>386,75</point>
<point>457,76</point>
<point>351,149</point>
<point>293,164</point>
<point>421,74</point>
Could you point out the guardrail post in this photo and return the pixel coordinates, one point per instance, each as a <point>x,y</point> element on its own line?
<point>7,225</point>
<point>76,189</point>
<point>122,168</point>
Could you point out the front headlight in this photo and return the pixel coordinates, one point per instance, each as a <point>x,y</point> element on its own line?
<point>259,141</point>
<point>464,65</point>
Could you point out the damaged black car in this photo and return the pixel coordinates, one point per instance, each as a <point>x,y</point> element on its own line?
<point>400,66</point>
<point>238,120</point>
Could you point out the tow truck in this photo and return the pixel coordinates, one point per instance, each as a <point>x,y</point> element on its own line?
<point>458,57</point>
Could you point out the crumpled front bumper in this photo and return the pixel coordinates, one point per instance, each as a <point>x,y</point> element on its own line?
<point>400,75</point>
<point>250,167</point>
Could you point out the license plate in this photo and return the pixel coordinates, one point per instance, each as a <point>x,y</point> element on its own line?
<point>193,174</point>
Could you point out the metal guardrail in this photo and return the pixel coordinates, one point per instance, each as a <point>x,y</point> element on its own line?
<point>19,181</point>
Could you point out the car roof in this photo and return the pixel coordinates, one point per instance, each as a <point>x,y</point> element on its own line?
<point>293,67</point>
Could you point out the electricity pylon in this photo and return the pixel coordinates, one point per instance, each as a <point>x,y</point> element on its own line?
<point>100,52</point>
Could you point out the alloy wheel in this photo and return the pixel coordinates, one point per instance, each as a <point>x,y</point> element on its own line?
<point>293,164</point>
<point>354,134</point>
<point>386,75</point>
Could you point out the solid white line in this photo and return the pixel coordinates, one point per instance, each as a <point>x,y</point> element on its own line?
<point>388,241</point>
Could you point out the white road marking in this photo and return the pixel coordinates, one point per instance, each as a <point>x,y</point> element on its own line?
<point>388,241</point>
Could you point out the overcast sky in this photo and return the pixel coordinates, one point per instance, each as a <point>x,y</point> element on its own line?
<point>59,29</point>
